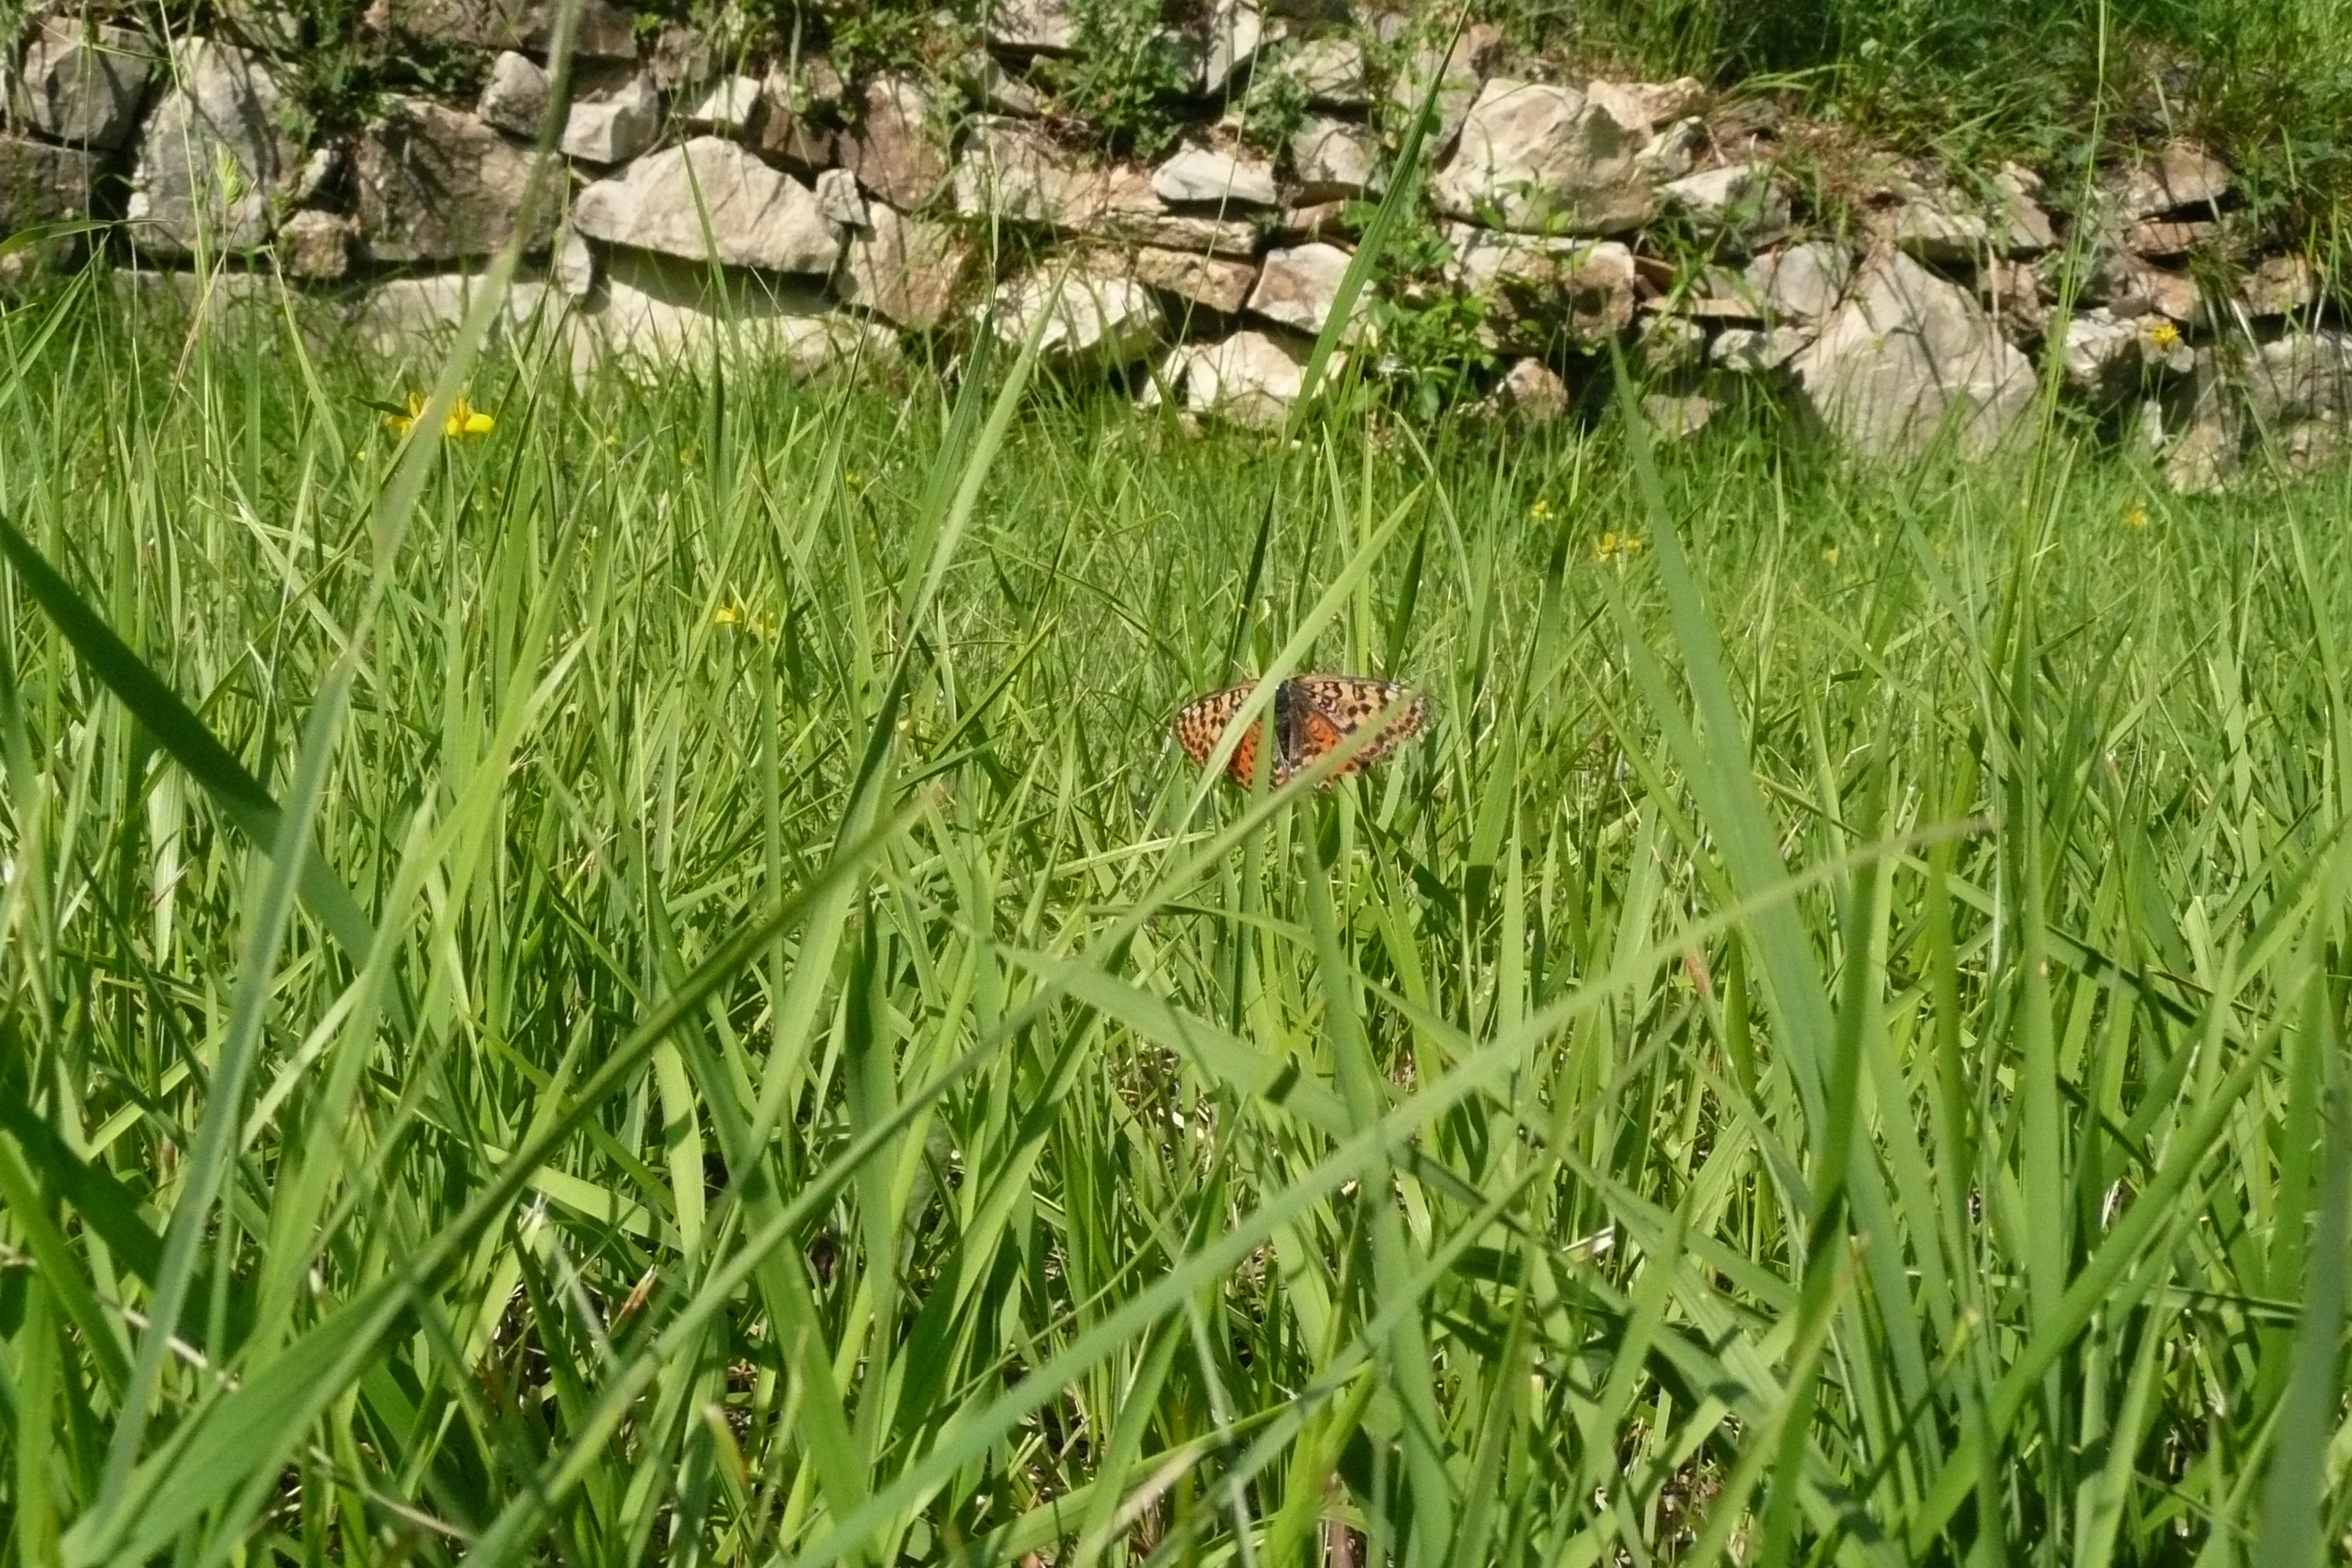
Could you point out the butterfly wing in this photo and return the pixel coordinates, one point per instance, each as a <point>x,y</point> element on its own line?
<point>1340,705</point>
<point>1200,724</point>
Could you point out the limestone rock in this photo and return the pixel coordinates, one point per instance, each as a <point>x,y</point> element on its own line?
<point>1720,294</point>
<point>1535,289</point>
<point>1643,107</point>
<point>2281,286</point>
<point>1330,70</point>
<point>758,217</point>
<point>1678,417</point>
<point>1091,313</point>
<point>1198,174</point>
<point>2182,175</point>
<point>214,153</point>
<point>838,199</point>
<point>572,265</point>
<point>731,108</point>
<point>515,98</point>
<point>2169,237</point>
<point>1220,285</point>
<point>898,151</point>
<point>1312,220</point>
<point>787,132</point>
<point>1334,158</point>
<point>1669,345</point>
<point>1046,25</point>
<point>1672,152</point>
<point>613,129</point>
<point>906,270</point>
<point>435,184</point>
<point>1171,231</point>
<point>1539,156</point>
<point>605,29</point>
<point>1531,393</point>
<point>658,313</point>
<point>999,90</point>
<point>1937,231</point>
<point>2202,454</point>
<point>1454,74</point>
<point>1250,379</point>
<point>1298,288</point>
<point>1909,355</point>
<point>1235,31</point>
<point>412,317</point>
<point>1012,171</point>
<point>1745,201</point>
<point>43,184</point>
<point>2301,376</point>
<point>2023,227</point>
<point>1752,350</point>
<point>2101,356</point>
<point>81,85</point>
<point>315,246</point>
<point>1801,282</point>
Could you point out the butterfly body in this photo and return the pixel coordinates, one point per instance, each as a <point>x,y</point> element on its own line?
<point>1314,715</point>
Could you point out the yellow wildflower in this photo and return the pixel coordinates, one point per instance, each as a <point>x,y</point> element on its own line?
<point>726,615</point>
<point>1830,554</point>
<point>757,626</point>
<point>2136,517</point>
<point>1541,510</point>
<point>2162,334</point>
<point>463,420</point>
<point>1618,547</point>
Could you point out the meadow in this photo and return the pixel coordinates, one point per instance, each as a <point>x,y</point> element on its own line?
<point>643,984</point>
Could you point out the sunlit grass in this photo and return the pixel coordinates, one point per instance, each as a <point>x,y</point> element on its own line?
<point>1832,1049</point>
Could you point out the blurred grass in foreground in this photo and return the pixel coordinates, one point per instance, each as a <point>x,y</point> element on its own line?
<point>1833,1050</point>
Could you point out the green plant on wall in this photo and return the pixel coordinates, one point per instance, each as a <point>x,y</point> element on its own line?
<point>1129,74</point>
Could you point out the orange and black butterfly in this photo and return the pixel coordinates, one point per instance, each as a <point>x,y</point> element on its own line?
<point>1313,715</point>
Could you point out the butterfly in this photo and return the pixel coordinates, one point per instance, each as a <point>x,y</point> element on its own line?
<point>1313,715</point>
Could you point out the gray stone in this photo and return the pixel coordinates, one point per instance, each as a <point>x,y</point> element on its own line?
<point>907,271</point>
<point>216,150</point>
<point>1537,289</point>
<point>572,266</point>
<point>1334,158</point>
<point>41,184</point>
<point>515,98</point>
<point>435,184</point>
<point>999,90</point>
<point>787,133</point>
<point>1174,231</point>
<point>1198,174</point>
<point>838,199</point>
<point>1531,393</point>
<point>1298,288</point>
<point>1235,31</point>
<point>411,318</point>
<point>605,29</point>
<point>1908,356</point>
<point>1311,220</point>
<point>1669,345</point>
<point>315,246</point>
<point>1090,313</point>
<point>1801,282</point>
<point>1935,229</point>
<point>2182,174</point>
<point>1012,172</point>
<point>1220,285</point>
<point>1678,417</point>
<point>82,85</point>
<point>2301,376</point>
<point>615,128</point>
<point>1538,156</point>
<point>1642,107</point>
<point>1250,380</point>
<point>758,217</point>
<point>1453,74</point>
<point>2169,237</point>
<point>658,314</point>
<point>1330,70</point>
<point>2101,355</point>
<point>1752,350</point>
<point>2024,225</point>
<point>1672,152</point>
<point>318,174</point>
<point>2201,448</point>
<point>898,151</point>
<point>1048,26</point>
<point>731,108</point>
<point>2281,286</point>
<point>1745,201</point>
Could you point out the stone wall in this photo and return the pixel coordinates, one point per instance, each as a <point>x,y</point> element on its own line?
<point>852,216</point>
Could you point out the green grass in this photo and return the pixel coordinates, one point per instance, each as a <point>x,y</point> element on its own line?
<point>1832,1049</point>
